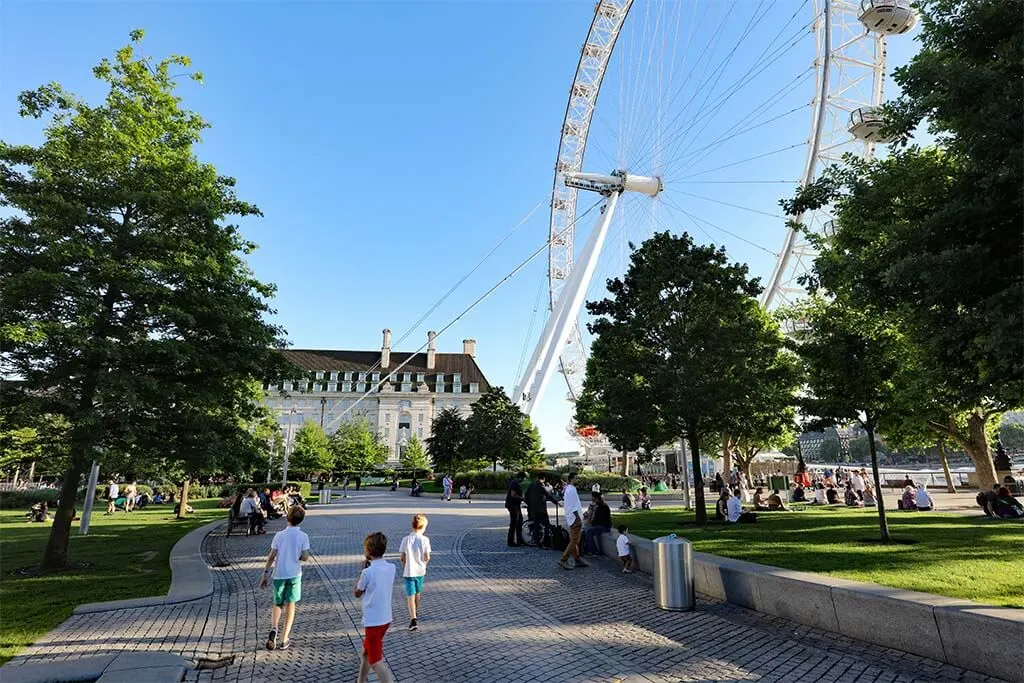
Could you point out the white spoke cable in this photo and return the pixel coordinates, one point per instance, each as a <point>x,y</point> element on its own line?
<point>743,161</point>
<point>719,201</point>
<point>473,305</point>
<point>697,220</point>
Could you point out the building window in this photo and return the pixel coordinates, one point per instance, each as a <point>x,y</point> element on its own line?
<point>319,374</point>
<point>360,387</point>
<point>421,432</point>
<point>348,376</point>
<point>287,386</point>
<point>346,386</point>
<point>474,388</point>
<point>316,386</point>
<point>375,377</point>
<point>406,386</point>
<point>362,376</point>
<point>421,418</point>
<point>332,386</point>
<point>457,383</point>
<point>271,387</point>
<point>421,377</point>
<point>387,433</point>
<point>387,418</point>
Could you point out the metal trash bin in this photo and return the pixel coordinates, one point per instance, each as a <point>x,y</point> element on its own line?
<point>673,574</point>
<point>325,496</point>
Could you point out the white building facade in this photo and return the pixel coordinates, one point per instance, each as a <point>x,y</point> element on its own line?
<point>397,393</point>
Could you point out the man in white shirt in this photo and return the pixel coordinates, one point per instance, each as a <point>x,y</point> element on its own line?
<point>112,491</point>
<point>857,482</point>
<point>374,587</point>
<point>574,518</point>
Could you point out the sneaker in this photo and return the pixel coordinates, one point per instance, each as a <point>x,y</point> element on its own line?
<point>564,564</point>
<point>285,644</point>
<point>272,640</point>
<point>413,626</point>
<point>581,563</point>
<point>627,571</point>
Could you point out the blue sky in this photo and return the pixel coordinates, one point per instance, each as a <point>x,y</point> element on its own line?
<point>391,145</point>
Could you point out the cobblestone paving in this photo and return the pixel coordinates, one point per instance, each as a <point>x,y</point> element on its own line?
<point>489,613</point>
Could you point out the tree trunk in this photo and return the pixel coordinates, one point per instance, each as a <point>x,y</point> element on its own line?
<point>698,480</point>
<point>56,554</point>
<point>625,464</point>
<point>950,488</point>
<point>977,448</point>
<point>31,472</point>
<point>183,501</point>
<point>883,523</point>
<point>726,457</point>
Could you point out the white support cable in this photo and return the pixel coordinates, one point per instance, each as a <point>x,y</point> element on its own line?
<point>473,305</point>
<point>698,219</point>
<point>723,203</point>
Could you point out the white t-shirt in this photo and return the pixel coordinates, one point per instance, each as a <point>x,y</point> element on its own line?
<point>819,496</point>
<point>114,490</point>
<point>622,545</point>
<point>377,580</point>
<point>571,503</point>
<point>735,509</point>
<point>857,482</point>
<point>289,544</point>
<point>416,548</point>
<point>248,506</point>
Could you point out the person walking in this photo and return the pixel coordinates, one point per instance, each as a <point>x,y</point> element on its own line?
<point>446,485</point>
<point>375,585</point>
<point>514,505</point>
<point>112,490</point>
<point>574,516</point>
<point>414,552</point>
<point>537,497</point>
<point>288,550</point>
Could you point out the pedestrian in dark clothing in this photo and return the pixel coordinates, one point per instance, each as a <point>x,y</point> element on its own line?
<point>514,505</point>
<point>537,497</point>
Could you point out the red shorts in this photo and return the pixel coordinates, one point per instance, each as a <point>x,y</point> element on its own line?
<point>373,643</point>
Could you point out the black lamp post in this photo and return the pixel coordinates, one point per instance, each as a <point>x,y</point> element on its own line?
<point>323,404</point>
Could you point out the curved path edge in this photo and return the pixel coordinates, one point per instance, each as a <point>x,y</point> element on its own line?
<point>190,576</point>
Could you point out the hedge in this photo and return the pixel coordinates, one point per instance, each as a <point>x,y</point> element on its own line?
<point>23,500</point>
<point>305,488</point>
<point>487,479</point>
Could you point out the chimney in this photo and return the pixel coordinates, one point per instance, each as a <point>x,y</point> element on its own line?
<point>469,347</point>
<point>385,351</point>
<point>431,349</point>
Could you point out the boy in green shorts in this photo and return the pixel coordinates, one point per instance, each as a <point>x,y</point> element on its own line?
<point>288,549</point>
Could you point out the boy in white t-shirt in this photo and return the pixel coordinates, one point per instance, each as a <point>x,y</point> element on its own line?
<point>622,546</point>
<point>288,550</point>
<point>415,554</point>
<point>375,584</point>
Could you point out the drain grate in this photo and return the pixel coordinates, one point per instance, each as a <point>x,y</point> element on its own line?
<point>215,662</point>
<point>221,564</point>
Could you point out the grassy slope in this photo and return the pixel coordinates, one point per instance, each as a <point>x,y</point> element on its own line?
<point>127,555</point>
<point>970,557</point>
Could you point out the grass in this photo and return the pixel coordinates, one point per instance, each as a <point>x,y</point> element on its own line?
<point>127,556</point>
<point>971,557</point>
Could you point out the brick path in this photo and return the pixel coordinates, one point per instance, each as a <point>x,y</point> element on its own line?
<point>490,613</point>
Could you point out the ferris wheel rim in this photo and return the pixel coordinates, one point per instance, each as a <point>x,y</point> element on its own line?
<point>606,25</point>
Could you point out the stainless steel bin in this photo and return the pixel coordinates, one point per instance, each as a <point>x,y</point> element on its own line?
<point>673,574</point>
<point>325,496</point>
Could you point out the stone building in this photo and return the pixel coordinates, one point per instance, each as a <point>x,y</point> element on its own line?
<point>398,393</point>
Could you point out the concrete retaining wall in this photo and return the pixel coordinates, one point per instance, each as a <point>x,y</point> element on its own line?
<point>959,632</point>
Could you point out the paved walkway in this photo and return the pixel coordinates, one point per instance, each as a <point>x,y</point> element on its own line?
<point>490,613</point>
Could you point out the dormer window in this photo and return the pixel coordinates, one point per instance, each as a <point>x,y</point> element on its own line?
<point>332,386</point>
<point>346,387</point>
<point>286,386</point>
<point>474,388</point>
<point>348,376</point>
<point>361,387</point>
<point>420,377</point>
<point>362,376</point>
<point>319,374</point>
<point>457,383</point>
<point>375,377</point>
<point>406,386</point>
<point>316,386</point>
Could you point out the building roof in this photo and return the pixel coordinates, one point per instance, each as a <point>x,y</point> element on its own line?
<point>362,361</point>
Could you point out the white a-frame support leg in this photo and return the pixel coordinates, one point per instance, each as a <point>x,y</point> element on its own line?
<point>563,316</point>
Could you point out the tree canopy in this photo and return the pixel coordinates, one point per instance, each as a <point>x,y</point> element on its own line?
<point>498,433</point>
<point>129,309</point>
<point>356,447</point>
<point>447,434</point>
<point>311,450</point>
<point>414,455</point>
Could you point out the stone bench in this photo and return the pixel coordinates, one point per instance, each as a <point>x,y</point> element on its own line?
<point>959,632</point>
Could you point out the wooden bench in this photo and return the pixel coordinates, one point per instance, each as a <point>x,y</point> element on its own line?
<point>894,484</point>
<point>235,519</point>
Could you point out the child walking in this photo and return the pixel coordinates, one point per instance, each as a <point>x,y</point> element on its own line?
<point>415,554</point>
<point>374,586</point>
<point>288,550</point>
<point>622,546</point>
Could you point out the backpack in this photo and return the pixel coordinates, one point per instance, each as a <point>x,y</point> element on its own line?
<point>559,535</point>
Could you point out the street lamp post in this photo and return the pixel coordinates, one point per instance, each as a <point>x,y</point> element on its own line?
<point>323,404</point>
<point>288,449</point>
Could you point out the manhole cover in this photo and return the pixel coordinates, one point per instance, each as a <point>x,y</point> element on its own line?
<point>215,662</point>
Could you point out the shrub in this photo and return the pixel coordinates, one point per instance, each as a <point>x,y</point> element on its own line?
<point>18,500</point>
<point>498,481</point>
<point>305,488</point>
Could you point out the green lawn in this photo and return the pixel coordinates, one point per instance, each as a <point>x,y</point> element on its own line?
<point>971,557</point>
<point>127,556</point>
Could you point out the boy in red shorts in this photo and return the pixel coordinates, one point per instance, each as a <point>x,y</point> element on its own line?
<point>374,586</point>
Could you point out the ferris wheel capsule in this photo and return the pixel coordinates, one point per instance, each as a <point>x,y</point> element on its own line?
<point>890,17</point>
<point>866,124</point>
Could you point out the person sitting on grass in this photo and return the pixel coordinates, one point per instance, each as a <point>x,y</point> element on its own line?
<point>1006,506</point>
<point>831,495</point>
<point>869,496</point>
<point>819,494</point>
<point>40,512</point>
<point>850,496</point>
<point>775,502</point>
<point>922,500</point>
<point>722,505</point>
<point>627,501</point>
<point>736,513</point>
<point>907,502</point>
<point>760,503</point>
<point>799,494</point>
<point>643,501</point>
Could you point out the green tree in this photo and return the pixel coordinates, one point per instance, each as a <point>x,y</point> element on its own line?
<point>830,451</point>
<point>852,363</point>
<point>1012,436</point>
<point>414,456</point>
<point>681,346</point>
<point>932,235</point>
<point>447,434</point>
<point>311,450</point>
<point>535,455</point>
<point>128,308</point>
<point>356,447</point>
<point>497,432</point>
